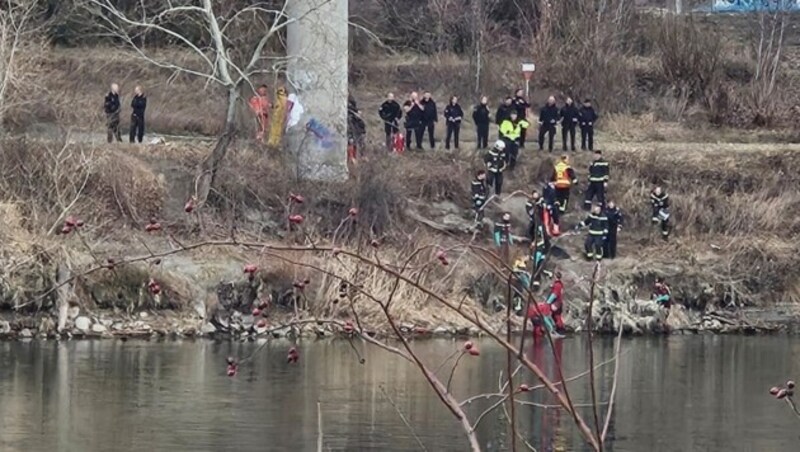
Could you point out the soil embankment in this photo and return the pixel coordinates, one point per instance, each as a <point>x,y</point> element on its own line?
<point>731,261</point>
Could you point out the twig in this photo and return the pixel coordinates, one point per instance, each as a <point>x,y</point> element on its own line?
<point>592,382</point>
<point>319,427</point>
<point>404,419</point>
<point>613,387</point>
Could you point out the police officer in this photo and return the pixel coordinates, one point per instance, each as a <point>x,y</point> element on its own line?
<point>504,110</point>
<point>548,117</point>
<point>511,132</point>
<point>615,219</point>
<point>415,120</point>
<point>521,105</point>
<point>586,118</point>
<point>481,117</point>
<point>659,199</point>
<point>479,194</point>
<point>431,117</point>
<point>495,161</point>
<point>390,113</point>
<point>569,120</point>
<point>598,231</point>
<point>598,181</point>
<point>563,178</point>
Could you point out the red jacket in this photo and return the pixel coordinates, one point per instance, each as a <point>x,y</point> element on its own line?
<point>558,291</point>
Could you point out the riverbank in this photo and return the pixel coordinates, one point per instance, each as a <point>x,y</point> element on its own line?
<point>730,253</point>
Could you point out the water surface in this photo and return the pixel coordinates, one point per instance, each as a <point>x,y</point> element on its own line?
<point>699,393</point>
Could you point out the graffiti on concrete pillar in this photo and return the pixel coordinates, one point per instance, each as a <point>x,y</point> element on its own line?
<point>321,133</point>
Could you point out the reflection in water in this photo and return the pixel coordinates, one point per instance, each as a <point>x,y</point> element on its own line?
<point>681,393</point>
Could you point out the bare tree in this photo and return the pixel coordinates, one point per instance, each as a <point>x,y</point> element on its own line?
<point>17,52</point>
<point>235,45</point>
<point>768,48</point>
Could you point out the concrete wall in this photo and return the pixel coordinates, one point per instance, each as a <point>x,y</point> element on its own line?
<point>317,73</point>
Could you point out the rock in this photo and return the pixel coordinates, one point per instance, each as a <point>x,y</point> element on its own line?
<point>119,326</point>
<point>441,331</point>
<point>99,328</point>
<point>208,328</point>
<point>73,312</point>
<point>5,327</point>
<point>143,315</point>
<point>83,323</point>
<point>106,322</point>
<point>26,333</point>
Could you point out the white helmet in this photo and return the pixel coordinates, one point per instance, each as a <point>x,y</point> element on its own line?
<point>500,145</point>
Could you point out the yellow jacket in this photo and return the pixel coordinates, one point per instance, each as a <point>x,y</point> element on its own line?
<point>513,131</point>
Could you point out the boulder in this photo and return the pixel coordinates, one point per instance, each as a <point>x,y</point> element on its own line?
<point>99,328</point>
<point>73,312</point>
<point>26,333</point>
<point>83,323</point>
<point>5,327</point>
<point>208,328</point>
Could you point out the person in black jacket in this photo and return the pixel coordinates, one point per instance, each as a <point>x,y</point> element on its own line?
<point>390,113</point>
<point>112,108</point>
<point>482,117</point>
<point>548,117</point>
<point>496,161</point>
<point>356,127</point>
<point>431,117</point>
<point>504,111</point>
<point>599,174</point>
<point>587,117</point>
<point>615,219</point>
<point>522,106</point>
<point>138,105</point>
<point>569,119</point>
<point>453,115</point>
<point>415,121</point>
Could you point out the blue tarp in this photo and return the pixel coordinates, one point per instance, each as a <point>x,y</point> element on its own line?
<point>743,6</point>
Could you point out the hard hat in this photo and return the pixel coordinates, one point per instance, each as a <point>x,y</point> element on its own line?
<point>500,144</point>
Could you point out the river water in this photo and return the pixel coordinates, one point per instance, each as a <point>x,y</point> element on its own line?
<point>682,393</point>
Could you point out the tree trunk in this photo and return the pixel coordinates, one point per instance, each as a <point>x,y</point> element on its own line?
<point>208,168</point>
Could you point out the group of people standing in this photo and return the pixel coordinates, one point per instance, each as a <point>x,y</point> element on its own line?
<point>421,116</point>
<point>112,107</point>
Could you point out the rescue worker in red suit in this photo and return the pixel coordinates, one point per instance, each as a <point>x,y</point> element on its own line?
<point>556,302</point>
<point>259,104</point>
<point>540,316</point>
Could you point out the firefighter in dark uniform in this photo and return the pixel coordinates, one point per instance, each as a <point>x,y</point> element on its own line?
<point>598,181</point>
<point>598,231</point>
<point>551,201</point>
<point>390,113</point>
<point>615,219</point>
<point>502,235</point>
<point>563,178</point>
<point>534,208</point>
<point>479,194</point>
<point>495,161</point>
<point>659,199</point>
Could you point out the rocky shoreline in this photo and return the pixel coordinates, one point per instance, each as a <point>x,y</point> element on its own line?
<point>113,324</point>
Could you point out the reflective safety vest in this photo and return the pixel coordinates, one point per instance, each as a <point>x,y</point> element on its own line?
<point>562,175</point>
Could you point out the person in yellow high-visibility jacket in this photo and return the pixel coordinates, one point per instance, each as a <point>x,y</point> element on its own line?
<point>511,133</point>
<point>563,178</point>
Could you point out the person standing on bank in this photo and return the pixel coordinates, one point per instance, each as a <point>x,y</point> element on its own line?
<point>504,110</point>
<point>522,106</point>
<point>431,116</point>
<point>138,106</point>
<point>548,117</point>
<point>453,115</point>
<point>587,117</point>
<point>482,117</point>
<point>112,108</point>
<point>615,219</point>
<point>569,120</point>
<point>415,120</point>
<point>390,113</point>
